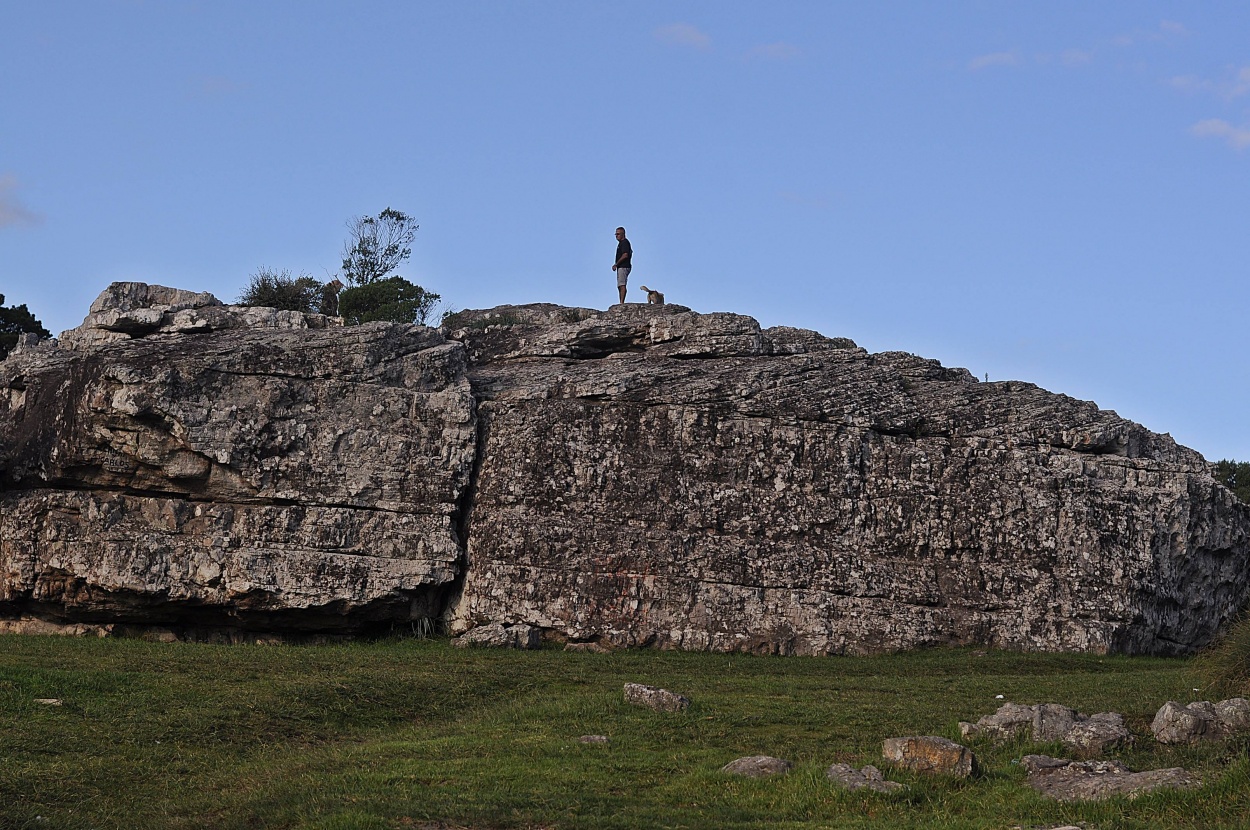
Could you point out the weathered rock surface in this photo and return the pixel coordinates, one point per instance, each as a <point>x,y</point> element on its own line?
<point>867,778</point>
<point>641,476</point>
<point>1047,722</point>
<point>1201,721</point>
<point>650,697</point>
<point>498,635</point>
<point>653,476</point>
<point>930,754</point>
<point>757,766</point>
<point>298,478</point>
<point>1066,780</point>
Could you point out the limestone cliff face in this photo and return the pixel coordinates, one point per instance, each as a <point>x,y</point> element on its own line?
<point>232,467</point>
<point>642,476</point>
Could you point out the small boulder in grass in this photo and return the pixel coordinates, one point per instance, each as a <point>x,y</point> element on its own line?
<point>868,778</point>
<point>1201,721</point>
<point>661,700</point>
<point>499,635</point>
<point>930,754</point>
<point>1070,781</point>
<point>594,739</point>
<point>757,766</point>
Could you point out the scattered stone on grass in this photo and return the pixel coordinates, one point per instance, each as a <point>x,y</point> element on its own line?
<point>594,739</point>
<point>1201,721</point>
<point>1065,780</point>
<point>868,778</point>
<point>1049,722</point>
<point>930,754</point>
<point>49,701</point>
<point>499,635</point>
<point>661,700</point>
<point>592,648</point>
<point>757,766</point>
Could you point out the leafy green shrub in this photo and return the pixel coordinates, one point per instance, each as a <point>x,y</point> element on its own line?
<point>393,299</point>
<point>1235,475</point>
<point>1224,668</point>
<point>278,289</point>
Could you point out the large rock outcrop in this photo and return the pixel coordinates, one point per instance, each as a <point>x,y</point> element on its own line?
<point>234,467</point>
<point>641,476</point>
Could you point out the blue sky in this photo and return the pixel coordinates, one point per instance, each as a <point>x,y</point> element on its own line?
<point>1051,192</point>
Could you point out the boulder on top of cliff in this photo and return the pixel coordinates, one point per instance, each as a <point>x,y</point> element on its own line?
<point>128,310</point>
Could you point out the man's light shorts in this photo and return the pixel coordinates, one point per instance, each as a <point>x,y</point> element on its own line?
<point>622,276</point>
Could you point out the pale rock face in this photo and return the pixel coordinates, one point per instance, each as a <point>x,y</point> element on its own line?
<point>288,477</point>
<point>642,476</point>
<point>651,476</point>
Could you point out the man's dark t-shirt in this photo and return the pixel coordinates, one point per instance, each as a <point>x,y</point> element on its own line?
<point>623,247</point>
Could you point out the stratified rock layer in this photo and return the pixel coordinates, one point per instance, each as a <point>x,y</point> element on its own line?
<point>257,472</point>
<point>641,476</point>
<point>654,476</point>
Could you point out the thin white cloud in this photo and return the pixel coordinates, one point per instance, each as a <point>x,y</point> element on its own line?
<point>1241,83</point>
<point>775,51</point>
<point>1237,137</point>
<point>994,59</point>
<point>1167,30</point>
<point>1234,85</point>
<point>1189,83</point>
<point>683,34</point>
<point>12,212</point>
<point>1075,57</point>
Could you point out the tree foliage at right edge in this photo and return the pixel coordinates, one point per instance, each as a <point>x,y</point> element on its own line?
<point>1235,475</point>
<point>15,322</point>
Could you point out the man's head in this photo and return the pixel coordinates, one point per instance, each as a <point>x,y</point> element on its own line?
<point>620,233</point>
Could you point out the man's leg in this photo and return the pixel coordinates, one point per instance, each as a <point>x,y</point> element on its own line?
<point>622,281</point>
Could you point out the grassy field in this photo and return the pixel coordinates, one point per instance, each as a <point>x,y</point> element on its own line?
<point>415,734</point>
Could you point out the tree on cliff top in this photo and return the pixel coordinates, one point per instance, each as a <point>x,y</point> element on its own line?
<point>376,245</point>
<point>15,322</point>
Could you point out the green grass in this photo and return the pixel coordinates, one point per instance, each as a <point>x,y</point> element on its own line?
<point>402,733</point>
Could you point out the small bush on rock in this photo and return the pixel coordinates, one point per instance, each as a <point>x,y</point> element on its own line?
<point>278,289</point>
<point>394,299</point>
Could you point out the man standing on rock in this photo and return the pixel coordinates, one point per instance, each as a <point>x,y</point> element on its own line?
<point>624,261</point>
